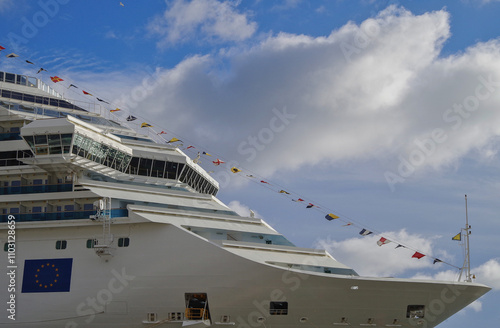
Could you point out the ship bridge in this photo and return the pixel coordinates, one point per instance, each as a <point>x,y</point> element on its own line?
<point>73,137</point>
<point>79,147</point>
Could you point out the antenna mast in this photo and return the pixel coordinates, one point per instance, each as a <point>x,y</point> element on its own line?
<point>466,267</point>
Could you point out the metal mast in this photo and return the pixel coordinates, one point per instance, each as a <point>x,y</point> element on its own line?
<point>466,267</point>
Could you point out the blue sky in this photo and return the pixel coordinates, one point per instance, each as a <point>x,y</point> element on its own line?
<point>384,112</point>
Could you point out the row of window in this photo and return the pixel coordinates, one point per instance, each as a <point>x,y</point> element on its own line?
<point>11,158</point>
<point>155,168</point>
<point>50,144</point>
<point>12,134</point>
<point>91,243</point>
<point>35,188</point>
<point>37,99</point>
<point>197,181</point>
<point>54,113</point>
<point>313,268</point>
<point>110,157</point>
<point>27,81</point>
<point>51,216</point>
<point>40,209</point>
<point>28,179</point>
<point>123,136</point>
<point>29,184</point>
<point>18,79</point>
<point>118,160</point>
<point>100,153</point>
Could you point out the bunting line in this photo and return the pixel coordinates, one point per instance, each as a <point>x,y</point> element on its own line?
<point>251,176</point>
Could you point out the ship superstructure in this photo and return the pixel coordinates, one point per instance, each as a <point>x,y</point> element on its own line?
<point>116,230</point>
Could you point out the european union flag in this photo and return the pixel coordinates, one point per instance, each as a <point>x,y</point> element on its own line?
<point>47,276</point>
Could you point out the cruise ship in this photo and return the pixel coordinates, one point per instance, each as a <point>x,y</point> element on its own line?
<point>105,226</point>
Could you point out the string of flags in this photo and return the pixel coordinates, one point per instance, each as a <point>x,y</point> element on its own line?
<point>235,170</point>
<point>70,86</point>
<point>383,240</point>
<point>130,118</point>
<point>55,78</point>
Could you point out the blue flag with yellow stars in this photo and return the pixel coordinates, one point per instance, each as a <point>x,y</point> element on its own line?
<point>47,276</point>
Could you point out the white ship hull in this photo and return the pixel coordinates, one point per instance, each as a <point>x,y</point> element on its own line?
<point>114,230</point>
<point>163,262</point>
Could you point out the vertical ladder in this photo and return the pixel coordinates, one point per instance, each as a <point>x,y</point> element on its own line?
<point>106,222</point>
<point>104,246</point>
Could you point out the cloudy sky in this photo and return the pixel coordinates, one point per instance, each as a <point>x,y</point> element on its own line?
<point>385,113</point>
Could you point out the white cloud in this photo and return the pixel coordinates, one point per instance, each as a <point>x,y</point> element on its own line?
<point>110,35</point>
<point>447,275</point>
<point>374,92</point>
<point>477,306</point>
<point>320,9</point>
<point>489,273</point>
<point>341,100</point>
<point>369,259</point>
<point>183,20</point>
<point>241,209</point>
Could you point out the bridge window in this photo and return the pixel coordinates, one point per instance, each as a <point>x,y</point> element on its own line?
<point>21,79</point>
<point>9,77</point>
<point>99,153</point>
<point>50,144</point>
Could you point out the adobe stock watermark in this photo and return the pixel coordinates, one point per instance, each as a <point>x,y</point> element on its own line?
<point>425,148</point>
<point>437,306</point>
<point>266,135</point>
<point>139,93</point>
<point>11,267</point>
<point>32,26</point>
<point>258,142</point>
<point>292,281</point>
<point>368,31</point>
<point>95,305</point>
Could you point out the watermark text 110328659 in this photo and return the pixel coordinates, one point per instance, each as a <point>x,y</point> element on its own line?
<point>11,267</point>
